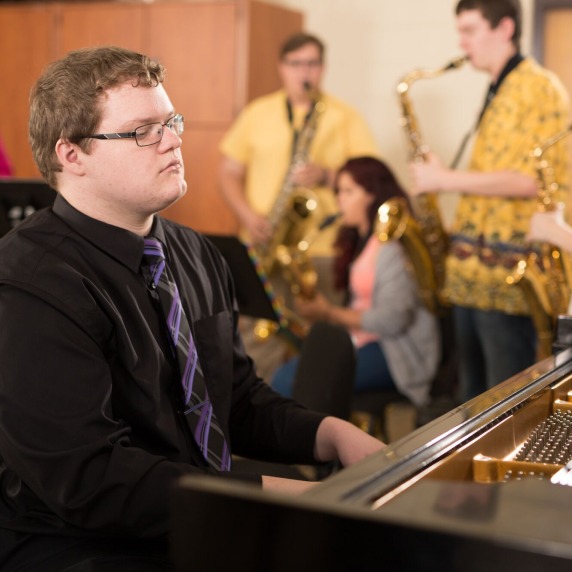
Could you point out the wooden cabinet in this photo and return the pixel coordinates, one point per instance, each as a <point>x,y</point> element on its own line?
<point>219,55</point>
<point>26,43</point>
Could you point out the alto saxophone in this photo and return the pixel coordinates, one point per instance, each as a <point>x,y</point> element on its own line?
<point>292,212</point>
<point>294,208</point>
<point>298,269</point>
<point>291,219</point>
<point>297,266</point>
<point>423,237</point>
<point>545,276</point>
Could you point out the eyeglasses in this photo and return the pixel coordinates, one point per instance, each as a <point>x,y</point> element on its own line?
<point>296,64</point>
<point>145,135</point>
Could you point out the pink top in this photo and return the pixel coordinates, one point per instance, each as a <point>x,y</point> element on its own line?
<point>362,277</point>
<point>5,167</point>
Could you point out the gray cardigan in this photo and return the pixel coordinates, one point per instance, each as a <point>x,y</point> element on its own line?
<point>408,332</point>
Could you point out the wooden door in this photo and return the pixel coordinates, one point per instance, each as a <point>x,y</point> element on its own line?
<point>27,45</point>
<point>269,26</point>
<point>90,24</point>
<point>553,46</point>
<point>198,45</point>
<point>219,55</point>
<point>557,47</point>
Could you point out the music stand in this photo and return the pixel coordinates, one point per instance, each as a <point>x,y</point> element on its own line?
<point>252,298</point>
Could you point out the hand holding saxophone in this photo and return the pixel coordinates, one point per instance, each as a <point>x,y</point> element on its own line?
<point>258,227</point>
<point>315,309</point>
<point>319,308</point>
<point>427,176</point>
<point>550,226</point>
<point>309,175</point>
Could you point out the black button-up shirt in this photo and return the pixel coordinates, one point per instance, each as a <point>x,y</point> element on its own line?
<point>91,433</point>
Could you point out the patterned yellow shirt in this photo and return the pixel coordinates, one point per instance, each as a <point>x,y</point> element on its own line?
<point>261,138</point>
<point>489,233</point>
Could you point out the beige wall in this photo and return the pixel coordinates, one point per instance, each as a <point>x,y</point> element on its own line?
<point>372,43</point>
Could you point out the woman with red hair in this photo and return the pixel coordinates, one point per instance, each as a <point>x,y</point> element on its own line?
<point>396,337</point>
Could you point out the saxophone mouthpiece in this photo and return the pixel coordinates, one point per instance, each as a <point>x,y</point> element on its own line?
<point>329,221</point>
<point>457,63</point>
<point>307,86</point>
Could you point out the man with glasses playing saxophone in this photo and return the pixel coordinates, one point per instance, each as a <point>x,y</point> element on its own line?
<point>525,105</point>
<point>258,157</point>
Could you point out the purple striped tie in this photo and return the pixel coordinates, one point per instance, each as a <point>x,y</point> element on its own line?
<point>198,408</point>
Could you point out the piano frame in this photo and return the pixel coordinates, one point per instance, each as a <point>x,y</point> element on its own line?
<point>413,506</point>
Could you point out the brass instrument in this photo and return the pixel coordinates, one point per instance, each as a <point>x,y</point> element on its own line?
<point>395,222</point>
<point>298,269</point>
<point>545,276</point>
<point>297,266</point>
<point>292,212</point>
<point>292,220</point>
<point>424,238</point>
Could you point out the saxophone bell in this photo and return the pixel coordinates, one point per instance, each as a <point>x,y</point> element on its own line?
<point>297,266</point>
<point>394,221</point>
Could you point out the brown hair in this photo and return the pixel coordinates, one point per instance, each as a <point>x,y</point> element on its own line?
<point>300,40</point>
<point>65,101</point>
<point>378,180</point>
<point>494,11</point>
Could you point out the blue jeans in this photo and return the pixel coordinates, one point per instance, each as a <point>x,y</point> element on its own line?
<point>372,372</point>
<point>492,346</point>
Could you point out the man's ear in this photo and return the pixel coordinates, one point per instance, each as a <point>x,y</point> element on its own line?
<point>70,156</point>
<point>507,26</point>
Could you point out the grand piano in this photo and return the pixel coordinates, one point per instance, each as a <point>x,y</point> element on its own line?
<point>484,486</point>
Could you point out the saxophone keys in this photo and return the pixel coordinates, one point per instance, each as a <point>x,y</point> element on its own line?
<point>264,329</point>
<point>320,107</point>
<point>283,255</point>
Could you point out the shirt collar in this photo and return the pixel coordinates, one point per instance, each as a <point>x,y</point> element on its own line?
<point>121,244</point>
<point>509,66</point>
<point>494,87</point>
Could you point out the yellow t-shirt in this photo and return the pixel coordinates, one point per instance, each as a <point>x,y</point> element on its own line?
<point>262,136</point>
<point>489,233</point>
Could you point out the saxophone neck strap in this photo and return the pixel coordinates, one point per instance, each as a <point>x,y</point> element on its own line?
<point>290,114</point>
<point>494,87</point>
<point>276,304</point>
<point>491,92</point>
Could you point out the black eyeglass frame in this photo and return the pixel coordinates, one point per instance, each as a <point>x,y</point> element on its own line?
<point>176,124</point>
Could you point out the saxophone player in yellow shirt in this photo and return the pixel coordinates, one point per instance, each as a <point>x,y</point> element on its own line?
<point>257,159</point>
